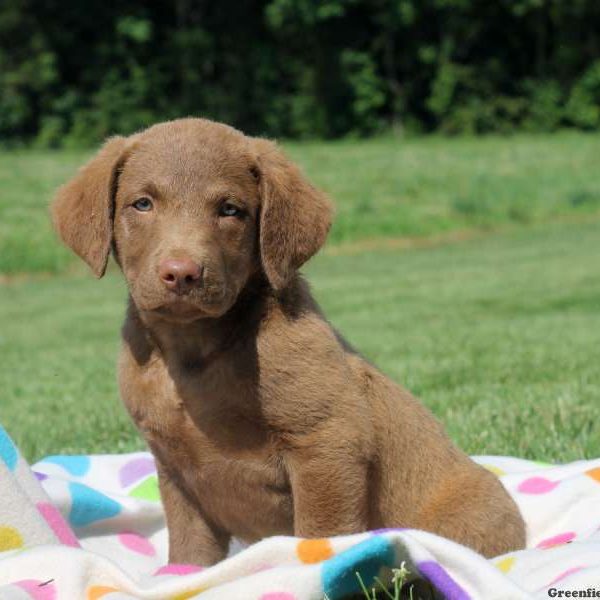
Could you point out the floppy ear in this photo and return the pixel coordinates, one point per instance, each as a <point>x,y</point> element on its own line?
<point>82,208</point>
<point>295,217</point>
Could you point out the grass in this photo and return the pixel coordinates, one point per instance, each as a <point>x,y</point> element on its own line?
<point>498,335</point>
<point>385,187</point>
<point>427,186</point>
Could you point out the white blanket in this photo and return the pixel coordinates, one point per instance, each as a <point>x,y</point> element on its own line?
<point>94,529</point>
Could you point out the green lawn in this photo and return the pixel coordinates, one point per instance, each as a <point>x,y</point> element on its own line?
<point>385,187</point>
<point>499,335</point>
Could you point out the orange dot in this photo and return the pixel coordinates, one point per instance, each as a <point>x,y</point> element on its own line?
<point>314,551</point>
<point>594,474</point>
<point>97,591</point>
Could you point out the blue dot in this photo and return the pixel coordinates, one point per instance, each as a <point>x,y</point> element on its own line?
<point>74,465</point>
<point>368,557</point>
<point>88,505</point>
<point>8,451</point>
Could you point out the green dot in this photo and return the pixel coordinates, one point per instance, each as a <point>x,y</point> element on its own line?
<point>147,490</point>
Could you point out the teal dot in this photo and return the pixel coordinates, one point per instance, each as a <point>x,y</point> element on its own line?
<point>74,465</point>
<point>88,505</point>
<point>8,451</point>
<point>368,557</point>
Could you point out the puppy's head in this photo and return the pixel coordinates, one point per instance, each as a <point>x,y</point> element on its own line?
<point>192,210</point>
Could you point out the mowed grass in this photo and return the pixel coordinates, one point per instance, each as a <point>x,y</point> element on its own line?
<point>499,336</point>
<point>387,187</point>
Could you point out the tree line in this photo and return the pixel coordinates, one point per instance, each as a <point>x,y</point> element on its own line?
<point>73,72</point>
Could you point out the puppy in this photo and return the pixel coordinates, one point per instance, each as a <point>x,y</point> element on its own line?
<point>262,419</point>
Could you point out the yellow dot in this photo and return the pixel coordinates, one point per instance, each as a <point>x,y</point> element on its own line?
<point>495,470</point>
<point>314,551</point>
<point>186,595</point>
<point>506,564</point>
<point>10,539</point>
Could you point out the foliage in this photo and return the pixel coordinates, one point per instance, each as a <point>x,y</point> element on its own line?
<point>71,74</point>
<point>380,590</point>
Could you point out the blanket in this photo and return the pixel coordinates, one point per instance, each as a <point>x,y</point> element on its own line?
<point>91,527</point>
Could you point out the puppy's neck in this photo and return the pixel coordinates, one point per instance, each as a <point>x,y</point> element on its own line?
<point>195,344</point>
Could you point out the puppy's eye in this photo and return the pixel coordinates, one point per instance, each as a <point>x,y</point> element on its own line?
<point>143,204</point>
<point>229,210</point>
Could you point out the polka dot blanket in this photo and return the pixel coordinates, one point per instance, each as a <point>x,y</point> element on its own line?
<point>91,527</point>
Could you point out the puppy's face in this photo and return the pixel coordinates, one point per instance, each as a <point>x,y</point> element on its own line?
<point>186,221</point>
<point>192,210</point>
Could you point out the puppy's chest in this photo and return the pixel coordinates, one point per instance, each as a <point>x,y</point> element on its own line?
<point>225,458</point>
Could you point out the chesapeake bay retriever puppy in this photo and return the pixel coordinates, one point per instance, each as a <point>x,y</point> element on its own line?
<point>262,419</point>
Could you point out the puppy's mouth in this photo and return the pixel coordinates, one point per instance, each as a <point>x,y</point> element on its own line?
<point>187,308</point>
<point>179,309</point>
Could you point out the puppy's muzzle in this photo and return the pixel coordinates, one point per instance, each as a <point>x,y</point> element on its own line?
<point>180,275</point>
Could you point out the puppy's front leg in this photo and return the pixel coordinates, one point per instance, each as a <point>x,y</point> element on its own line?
<point>329,489</point>
<point>192,539</point>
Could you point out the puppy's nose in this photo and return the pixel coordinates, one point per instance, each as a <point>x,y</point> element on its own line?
<point>179,275</point>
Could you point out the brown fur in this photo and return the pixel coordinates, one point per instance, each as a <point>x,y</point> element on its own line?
<point>262,420</point>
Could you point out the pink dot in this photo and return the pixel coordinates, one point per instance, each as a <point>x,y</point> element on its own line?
<point>58,525</point>
<point>259,568</point>
<point>565,575</point>
<point>136,543</point>
<point>557,540</point>
<point>175,569</point>
<point>277,596</point>
<point>537,485</point>
<point>38,590</point>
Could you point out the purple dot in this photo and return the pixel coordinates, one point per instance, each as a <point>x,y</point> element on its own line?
<point>442,581</point>
<point>389,530</point>
<point>135,470</point>
<point>40,476</point>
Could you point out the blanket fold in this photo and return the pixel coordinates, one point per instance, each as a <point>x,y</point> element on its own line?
<point>91,527</point>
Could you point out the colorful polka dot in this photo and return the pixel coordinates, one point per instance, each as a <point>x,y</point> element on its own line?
<point>565,574</point>
<point>339,572</point>
<point>137,543</point>
<point>187,595</point>
<point>388,530</point>
<point>98,591</point>
<point>74,465</point>
<point>135,469</point>
<point>88,505</point>
<point>440,579</point>
<point>37,590</point>
<point>147,490</point>
<point>506,564</point>
<point>557,540</point>
<point>314,551</point>
<point>10,539</point>
<point>537,485</point>
<point>175,569</point>
<point>58,525</point>
<point>594,474</point>
<point>495,470</point>
<point>8,451</point>
<point>259,568</point>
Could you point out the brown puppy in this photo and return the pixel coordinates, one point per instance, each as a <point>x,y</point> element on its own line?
<point>262,420</point>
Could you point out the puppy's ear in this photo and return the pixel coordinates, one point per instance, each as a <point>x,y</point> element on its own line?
<point>295,217</point>
<point>82,210</point>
